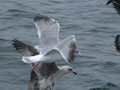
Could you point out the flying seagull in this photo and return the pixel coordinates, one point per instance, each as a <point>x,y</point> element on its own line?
<point>116,5</point>
<point>117,43</point>
<point>51,49</point>
<point>48,71</point>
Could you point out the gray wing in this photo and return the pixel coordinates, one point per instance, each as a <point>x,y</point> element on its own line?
<point>33,82</point>
<point>24,49</point>
<point>116,4</point>
<point>46,69</point>
<point>117,43</point>
<point>64,50</point>
<point>67,48</point>
<point>48,31</point>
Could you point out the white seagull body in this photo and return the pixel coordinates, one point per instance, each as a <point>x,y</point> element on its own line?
<point>50,48</point>
<point>43,57</point>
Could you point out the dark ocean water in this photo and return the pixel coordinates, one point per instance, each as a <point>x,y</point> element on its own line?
<point>95,26</point>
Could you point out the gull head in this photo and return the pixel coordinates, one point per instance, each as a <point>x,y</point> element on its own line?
<point>68,69</point>
<point>77,53</point>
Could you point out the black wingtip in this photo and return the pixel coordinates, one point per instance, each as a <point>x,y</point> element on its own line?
<point>38,18</point>
<point>109,2</point>
<point>14,41</point>
<point>117,43</point>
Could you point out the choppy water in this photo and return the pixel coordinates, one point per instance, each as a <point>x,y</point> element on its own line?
<point>95,26</point>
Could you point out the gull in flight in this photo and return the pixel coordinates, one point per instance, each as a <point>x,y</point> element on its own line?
<point>43,57</point>
<point>51,49</point>
<point>117,43</point>
<point>48,71</point>
<point>116,4</point>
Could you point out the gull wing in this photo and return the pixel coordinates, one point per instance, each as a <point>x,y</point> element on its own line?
<point>48,31</point>
<point>24,49</point>
<point>44,69</point>
<point>67,48</point>
<point>116,4</point>
<point>117,43</point>
<point>33,82</point>
<point>63,50</point>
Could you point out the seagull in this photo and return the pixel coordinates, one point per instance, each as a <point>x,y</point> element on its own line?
<point>43,57</point>
<point>48,71</point>
<point>51,49</point>
<point>117,43</point>
<point>116,5</point>
<point>49,81</point>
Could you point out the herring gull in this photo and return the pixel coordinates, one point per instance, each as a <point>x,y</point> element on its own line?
<point>43,57</point>
<point>49,80</point>
<point>51,49</point>
<point>48,71</point>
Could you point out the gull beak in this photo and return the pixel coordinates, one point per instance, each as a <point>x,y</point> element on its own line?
<point>75,73</point>
<point>77,53</point>
<point>81,56</point>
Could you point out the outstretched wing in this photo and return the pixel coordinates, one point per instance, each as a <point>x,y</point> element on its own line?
<point>67,48</point>
<point>24,49</point>
<point>117,43</point>
<point>33,82</point>
<point>116,4</point>
<point>48,31</point>
<point>44,69</point>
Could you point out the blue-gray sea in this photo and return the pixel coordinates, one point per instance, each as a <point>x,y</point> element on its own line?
<point>95,26</point>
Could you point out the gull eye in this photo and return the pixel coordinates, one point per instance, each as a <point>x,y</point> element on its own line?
<point>70,69</point>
